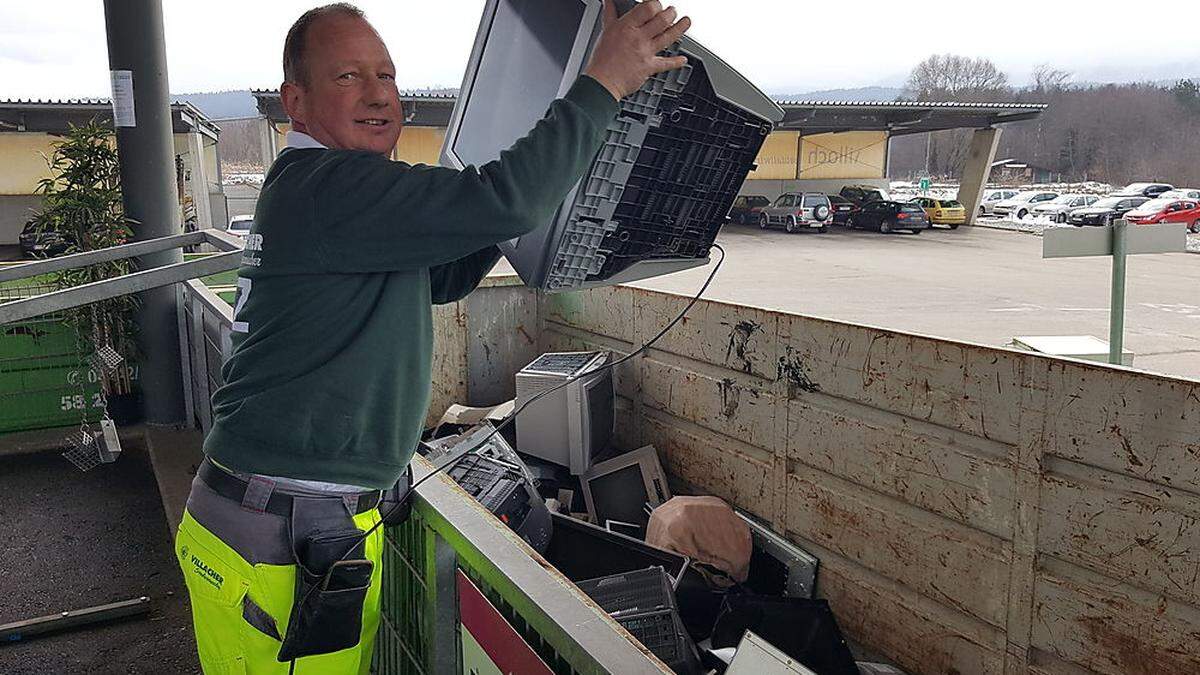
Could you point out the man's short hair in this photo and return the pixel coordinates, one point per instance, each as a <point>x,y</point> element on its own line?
<point>295,69</point>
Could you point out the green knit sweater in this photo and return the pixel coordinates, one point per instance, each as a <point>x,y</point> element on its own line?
<point>329,378</point>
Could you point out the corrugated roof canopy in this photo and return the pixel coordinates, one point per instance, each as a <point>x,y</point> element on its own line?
<point>810,117</point>
<point>55,116</point>
<point>901,117</point>
<point>421,109</point>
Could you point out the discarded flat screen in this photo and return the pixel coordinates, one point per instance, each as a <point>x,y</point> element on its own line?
<point>621,496</point>
<point>522,68</point>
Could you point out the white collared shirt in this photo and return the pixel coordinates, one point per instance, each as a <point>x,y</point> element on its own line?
<point>300,141</point>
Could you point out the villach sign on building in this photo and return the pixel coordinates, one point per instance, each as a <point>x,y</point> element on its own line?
<point>850,154</point>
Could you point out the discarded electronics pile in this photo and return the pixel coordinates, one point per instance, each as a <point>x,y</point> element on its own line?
<point>706,588</point>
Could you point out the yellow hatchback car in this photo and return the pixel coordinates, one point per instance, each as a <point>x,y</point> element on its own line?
<point>943,211</point>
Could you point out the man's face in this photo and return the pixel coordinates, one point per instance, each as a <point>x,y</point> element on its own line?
<point>350,100</point>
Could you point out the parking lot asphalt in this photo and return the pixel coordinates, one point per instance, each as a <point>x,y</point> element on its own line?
<point>975,284</point>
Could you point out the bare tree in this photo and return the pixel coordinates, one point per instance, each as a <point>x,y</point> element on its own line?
<point>1115,134</point>
<point>240,145</point>
<point>1046,78</point>
<point>950,77</point>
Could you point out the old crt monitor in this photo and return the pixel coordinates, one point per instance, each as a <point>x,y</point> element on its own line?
<point>661,186</point>
<point>573,424</point>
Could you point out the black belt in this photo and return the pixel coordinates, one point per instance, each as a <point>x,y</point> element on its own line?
<point>232,487</point>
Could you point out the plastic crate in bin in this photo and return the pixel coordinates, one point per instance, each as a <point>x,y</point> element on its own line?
<point>673,159</point>
<point>643,602</point>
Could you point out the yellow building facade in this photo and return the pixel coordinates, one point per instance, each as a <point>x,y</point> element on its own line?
<point>28,143</point>
<point>847,155</point>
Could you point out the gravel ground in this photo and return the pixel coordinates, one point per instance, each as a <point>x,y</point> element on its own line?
<point>1038,225</point>
<point>72,540</point>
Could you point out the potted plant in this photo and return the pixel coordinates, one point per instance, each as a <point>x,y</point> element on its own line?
<point>82,205</point>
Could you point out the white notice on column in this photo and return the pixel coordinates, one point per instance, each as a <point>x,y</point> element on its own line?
<point>122,98</point>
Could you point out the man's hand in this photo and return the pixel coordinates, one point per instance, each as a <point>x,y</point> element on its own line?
<point>627,53</point>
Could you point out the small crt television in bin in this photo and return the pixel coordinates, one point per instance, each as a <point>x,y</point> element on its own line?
<point>674,158</point>
<point>573,424</point>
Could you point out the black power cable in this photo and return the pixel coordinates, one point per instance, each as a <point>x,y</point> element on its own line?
<point>459,457</point>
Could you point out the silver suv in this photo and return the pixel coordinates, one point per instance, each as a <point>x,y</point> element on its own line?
<point>797,211</point>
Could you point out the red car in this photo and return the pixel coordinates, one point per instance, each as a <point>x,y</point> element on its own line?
<point>1185,211</point>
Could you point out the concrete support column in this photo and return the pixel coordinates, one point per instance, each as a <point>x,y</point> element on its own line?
<point>266,142</point>
<point>977,169</point>
<point>147,155</point>
<point>199,171</point>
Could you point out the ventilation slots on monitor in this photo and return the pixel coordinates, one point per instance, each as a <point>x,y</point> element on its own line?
<point>571,425</point>
<point>674,159</point>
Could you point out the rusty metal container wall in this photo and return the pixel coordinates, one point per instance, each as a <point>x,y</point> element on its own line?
<point>480,342</point>
<point>976,510</point>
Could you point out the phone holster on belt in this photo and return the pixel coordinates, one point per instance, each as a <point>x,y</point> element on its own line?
<point>332,579</point>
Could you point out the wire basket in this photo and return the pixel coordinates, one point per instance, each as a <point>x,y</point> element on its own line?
<point>89,449</point>
<point>83,450</point>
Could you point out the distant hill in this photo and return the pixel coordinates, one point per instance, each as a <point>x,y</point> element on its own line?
<point>240,102</point>
<point>855,94</point>
<point>1157,83</point>
<point>221,104</point>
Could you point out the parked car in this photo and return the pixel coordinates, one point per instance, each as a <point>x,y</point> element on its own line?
<point>1058,208</point>
<point>40,244</point>
<point>1180,193</point>
<point>889,216</point>
<point>1104,211</point>
<point>797,211</point>
<point>942,211</point>
<point>861,195</point>
<point>991,199</point>
<point>1185,211</point>
<point>239,226</point>
<point>745,209</point>
<point>1148,190</point>
<point>1021,204</point>
<point>842,209</point>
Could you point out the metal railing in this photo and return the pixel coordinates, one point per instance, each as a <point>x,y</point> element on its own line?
<point>420,629</point>
<point>135,282</point>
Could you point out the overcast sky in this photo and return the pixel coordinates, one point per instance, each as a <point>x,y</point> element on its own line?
<point>57,49</point>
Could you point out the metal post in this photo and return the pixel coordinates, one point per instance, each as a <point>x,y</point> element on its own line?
<point>1116,319</point>
<point>444,642</point>
<point>137,48</point>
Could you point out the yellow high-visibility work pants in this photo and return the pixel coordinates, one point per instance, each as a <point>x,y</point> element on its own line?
<point>241,603</point>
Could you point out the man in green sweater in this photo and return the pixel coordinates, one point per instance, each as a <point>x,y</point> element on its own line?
<point>327,387</point>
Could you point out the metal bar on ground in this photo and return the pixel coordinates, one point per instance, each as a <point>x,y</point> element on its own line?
<point>19,630</point>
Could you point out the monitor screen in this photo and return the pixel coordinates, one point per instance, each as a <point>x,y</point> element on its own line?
<point>600,413</point>
<point>621,495</point>
<point>520,72</point>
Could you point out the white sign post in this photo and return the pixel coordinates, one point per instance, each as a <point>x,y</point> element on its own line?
<point>1117,240</point>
